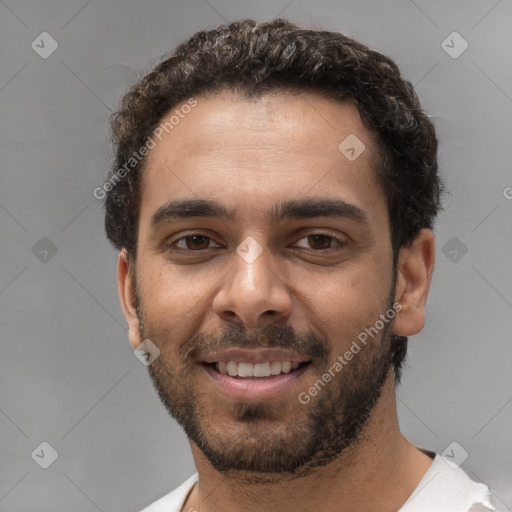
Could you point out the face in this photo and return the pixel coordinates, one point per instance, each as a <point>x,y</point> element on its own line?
<point>263,255</point>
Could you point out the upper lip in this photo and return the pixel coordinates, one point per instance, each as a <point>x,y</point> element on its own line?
<point>254,356</point>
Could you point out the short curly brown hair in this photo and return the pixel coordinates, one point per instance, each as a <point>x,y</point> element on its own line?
<point>256,58</point>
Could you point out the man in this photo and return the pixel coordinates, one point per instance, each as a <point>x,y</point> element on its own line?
<point>273,197</point>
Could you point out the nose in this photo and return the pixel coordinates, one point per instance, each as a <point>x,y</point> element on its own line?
<point>252,292</point>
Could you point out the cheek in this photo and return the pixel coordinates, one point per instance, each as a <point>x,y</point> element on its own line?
<point>169,308</point>
<point>172,293</point>
<point>343,302</point>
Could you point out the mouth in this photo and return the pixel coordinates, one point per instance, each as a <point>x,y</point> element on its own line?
<point>259,371</point>
<point>262,376</point>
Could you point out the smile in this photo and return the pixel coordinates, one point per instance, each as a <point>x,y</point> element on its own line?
<point>260,381</point>
<point>259,370</point>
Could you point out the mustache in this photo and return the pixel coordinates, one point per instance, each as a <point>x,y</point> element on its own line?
<point>270,336</point>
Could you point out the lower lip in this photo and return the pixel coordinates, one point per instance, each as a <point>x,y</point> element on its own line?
<point>250,388</point>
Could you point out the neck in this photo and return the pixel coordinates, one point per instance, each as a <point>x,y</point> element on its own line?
<point>380,472</point>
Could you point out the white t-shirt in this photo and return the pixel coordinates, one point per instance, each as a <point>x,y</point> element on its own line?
<point>443,488</point>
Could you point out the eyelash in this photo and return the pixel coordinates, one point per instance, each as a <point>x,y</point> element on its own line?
<point>341,243</point>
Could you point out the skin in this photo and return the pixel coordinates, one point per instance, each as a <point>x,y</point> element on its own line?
<point>249,155</point>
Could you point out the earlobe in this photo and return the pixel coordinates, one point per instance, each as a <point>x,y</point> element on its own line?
<point>414,275</point>
<point>126,287</point>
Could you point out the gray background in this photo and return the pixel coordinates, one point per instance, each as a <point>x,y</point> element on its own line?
<point>68,375</point>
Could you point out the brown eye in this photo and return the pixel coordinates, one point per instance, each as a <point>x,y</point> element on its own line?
<point>322,242</point>
<point>319,241</point>
<point>194,242</point>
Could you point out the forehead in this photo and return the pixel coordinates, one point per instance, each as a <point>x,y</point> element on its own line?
<point>256,152</point>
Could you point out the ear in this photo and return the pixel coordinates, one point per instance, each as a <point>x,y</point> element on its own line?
<point>126,286</point>
<point>414,274</point>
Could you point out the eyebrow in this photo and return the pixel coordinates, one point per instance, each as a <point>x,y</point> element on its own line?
<point>292,209</point>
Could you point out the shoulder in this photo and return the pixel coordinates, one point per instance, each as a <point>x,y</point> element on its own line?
<point>173,501</point>
<point>447,487</point>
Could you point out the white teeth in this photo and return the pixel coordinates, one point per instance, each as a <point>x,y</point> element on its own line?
<point>233,369</point>
<point>245,369</point>
<point>261,370</point>
<point>275,368</point>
